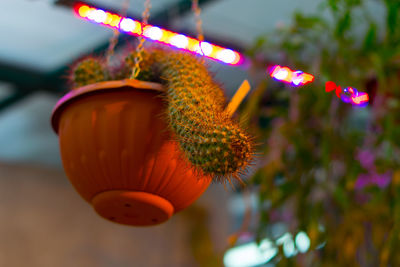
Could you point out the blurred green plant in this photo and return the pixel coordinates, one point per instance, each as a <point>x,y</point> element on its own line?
<point>199,237</point>
<point>327,168</point>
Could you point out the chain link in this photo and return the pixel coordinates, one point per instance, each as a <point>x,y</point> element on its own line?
<point>114,38</point>
<point>199,23</point>
<point>139,48</point>
<point>145,16</point>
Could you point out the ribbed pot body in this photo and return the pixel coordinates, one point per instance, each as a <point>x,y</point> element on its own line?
<point>118,139</point>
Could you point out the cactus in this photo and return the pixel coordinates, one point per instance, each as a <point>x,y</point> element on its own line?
<point>209,138</point>
<point>88,71</point>
<point>148,68</point>
<point>195,110</point>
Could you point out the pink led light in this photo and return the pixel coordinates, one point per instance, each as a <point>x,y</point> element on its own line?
<point>226,55</point>
<point>128,25</point>
<point>82,10</point>
<point>180,41</point>
<point>204,48</point>
<point>281,74</point>
<point>307,78</point>
<point>297,79</point>
<point>153,33</point>
<point>286,75</point>
<point>361,99</point>
<point>331,86</point>
<point>348,95</point>
<point>157,34</point>
<point>98,16</point>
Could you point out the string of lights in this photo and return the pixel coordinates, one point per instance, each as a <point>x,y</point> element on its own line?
<point>286,75</point>
<point>298,78</point>
<point>228,56</point>
<point>348,95</point>
<point>157,34</point>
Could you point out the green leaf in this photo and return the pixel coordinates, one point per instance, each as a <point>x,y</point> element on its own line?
<point>393,21</point>
<point>370,38</point>
<point>351,3</point>
<point>343,24</point>
<point>258,45</point>
<point>341,197</point>
<point>333,5</point>
<point>392,17</point>
<point>307,22</point>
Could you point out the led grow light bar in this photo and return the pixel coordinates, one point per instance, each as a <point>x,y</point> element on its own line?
<point>215,52</point>
<point>298,78</point>
<point>348,94</point>
<point>286,75</point>
<point>136,28</point>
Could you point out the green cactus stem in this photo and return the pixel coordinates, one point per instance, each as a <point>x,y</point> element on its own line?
<point>209,138</point>
<point>88,71</point>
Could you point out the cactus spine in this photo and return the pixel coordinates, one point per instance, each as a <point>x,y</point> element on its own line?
<point>209,138</point>
<point>195,109</point>
<point>88,71</point>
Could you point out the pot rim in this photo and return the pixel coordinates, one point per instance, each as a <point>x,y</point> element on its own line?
<point>97,87</point>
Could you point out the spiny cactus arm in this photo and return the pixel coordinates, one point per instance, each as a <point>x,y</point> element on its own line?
<point>205,131</point>
<point>88,71</point>
<point>207,135</point>
<point>148,71</point>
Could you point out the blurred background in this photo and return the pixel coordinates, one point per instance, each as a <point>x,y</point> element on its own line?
<point>323,190</point>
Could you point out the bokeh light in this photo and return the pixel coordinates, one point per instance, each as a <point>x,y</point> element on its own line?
<point>180,41</point>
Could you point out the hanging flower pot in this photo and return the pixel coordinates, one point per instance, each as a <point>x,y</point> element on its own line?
<point>119,154</point>
<point>139,153</point>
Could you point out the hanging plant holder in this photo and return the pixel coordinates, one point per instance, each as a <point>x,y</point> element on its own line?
<point>138,153</point>
<point>119,154</point>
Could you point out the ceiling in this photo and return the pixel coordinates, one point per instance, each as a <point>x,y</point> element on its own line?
<point>136,7</point>
<point>241,22</point>
<point>43,37</point>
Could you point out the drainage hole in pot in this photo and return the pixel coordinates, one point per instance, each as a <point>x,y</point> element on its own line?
<point>128,205</point>
<point>154,220</point>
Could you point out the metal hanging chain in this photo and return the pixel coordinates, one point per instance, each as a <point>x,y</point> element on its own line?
<point>199,23</point>
<point>114,39</point>
<point>145,16</point>
<point>139,48</point>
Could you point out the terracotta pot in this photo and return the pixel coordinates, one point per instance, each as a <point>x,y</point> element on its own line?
<point>119,155</point>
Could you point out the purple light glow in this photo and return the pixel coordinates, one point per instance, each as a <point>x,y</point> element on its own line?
<point>180,41</point>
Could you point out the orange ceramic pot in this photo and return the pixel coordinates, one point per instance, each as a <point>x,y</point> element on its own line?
<point>118,153</point>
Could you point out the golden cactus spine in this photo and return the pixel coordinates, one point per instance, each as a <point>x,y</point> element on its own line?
<point>88,71</point>
<point>209,138</point>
